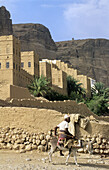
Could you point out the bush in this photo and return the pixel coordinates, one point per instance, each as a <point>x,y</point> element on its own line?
<point>98,105</point>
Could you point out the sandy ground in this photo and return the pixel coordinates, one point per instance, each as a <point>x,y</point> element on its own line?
<point>10,160</point>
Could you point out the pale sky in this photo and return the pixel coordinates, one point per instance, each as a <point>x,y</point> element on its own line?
<point>66,19</point>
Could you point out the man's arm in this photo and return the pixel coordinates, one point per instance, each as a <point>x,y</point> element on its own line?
<point>68,133</point>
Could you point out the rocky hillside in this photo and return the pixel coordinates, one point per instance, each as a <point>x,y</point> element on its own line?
<point>35,37</point>
<point>5,22</point>
<point>89,56</point>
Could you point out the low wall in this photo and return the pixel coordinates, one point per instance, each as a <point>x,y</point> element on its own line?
<point>19,92</point>
<point>67,106</point>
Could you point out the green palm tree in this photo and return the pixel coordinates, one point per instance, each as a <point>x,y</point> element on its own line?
<point>39,86</point>
<point>74,88</point>
<point>99,102</point>
<point>98,89</point>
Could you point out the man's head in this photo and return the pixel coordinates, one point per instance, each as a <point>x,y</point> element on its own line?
<point>67,118</point>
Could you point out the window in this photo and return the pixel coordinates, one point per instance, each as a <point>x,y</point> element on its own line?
<point>7,64</point>
<point>29,64</point>
<point>22,64</point>
<point>16,66</point>
<point>13,65</point>
<point>0,65</point>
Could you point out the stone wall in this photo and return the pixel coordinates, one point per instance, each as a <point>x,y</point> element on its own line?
<point>20,140</point>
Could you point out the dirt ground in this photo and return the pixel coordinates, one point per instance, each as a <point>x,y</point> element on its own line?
<point>33,160</point>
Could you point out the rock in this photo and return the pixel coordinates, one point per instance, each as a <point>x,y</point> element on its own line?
<point>34,141</point>
<point>43,142</point>
<point>28,159</point>
<point>5,22</point>
<point>98,140</point>
<point>30,140</point>
<point>106,151</point>
<point>22,146</point>
<point>96,146</point>
<point>41,136</point>
<point>34,147</point>
<point>37,137</point>
<point>9,146</point>
<point>28,147</point>
<point>26,143</point>
<point>38,39</point>
<point>96,150</point>
<point>102,146</point>
<point>22,151</point>
<point>80,53</point>
<point>93,139</point>
<point>81,150</point>
<point>18,141</point>
<point>27,139</point>
<point>100,162</point>
<point>101,151</point>
<point>41,148</point>
<point>34,137</point>
<point>50,133</point>
<point>38,142</point>
<point>104,140</point>
<point>16,146</point>
<point>1,140</point>
<point>48,137</point>
<point>49,145</point>
<point>107,146</point>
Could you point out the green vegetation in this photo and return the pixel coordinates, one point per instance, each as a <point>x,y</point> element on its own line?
<point>75,90</point>
<point>39,86</point>
<point>98,103</point>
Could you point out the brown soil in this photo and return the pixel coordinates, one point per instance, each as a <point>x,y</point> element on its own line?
<point>34,160</point>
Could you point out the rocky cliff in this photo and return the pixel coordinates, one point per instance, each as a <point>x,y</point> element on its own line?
<point>5,22</point>
<point>89,56</point>
<point>35,37</point>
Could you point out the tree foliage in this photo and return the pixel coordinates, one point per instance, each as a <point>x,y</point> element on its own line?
<point>74,89</point>
<point>39,86</point>
<point>99,102</point>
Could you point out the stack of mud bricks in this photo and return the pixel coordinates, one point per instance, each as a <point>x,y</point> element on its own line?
<point>22,141</point>
<point>100,145</point>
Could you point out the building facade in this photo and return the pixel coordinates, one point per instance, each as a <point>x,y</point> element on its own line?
<point>17,70</point>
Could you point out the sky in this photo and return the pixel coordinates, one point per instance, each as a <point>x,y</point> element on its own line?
<point>66,19</point>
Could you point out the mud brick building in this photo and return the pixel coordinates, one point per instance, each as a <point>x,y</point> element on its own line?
<point>17,70</point>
